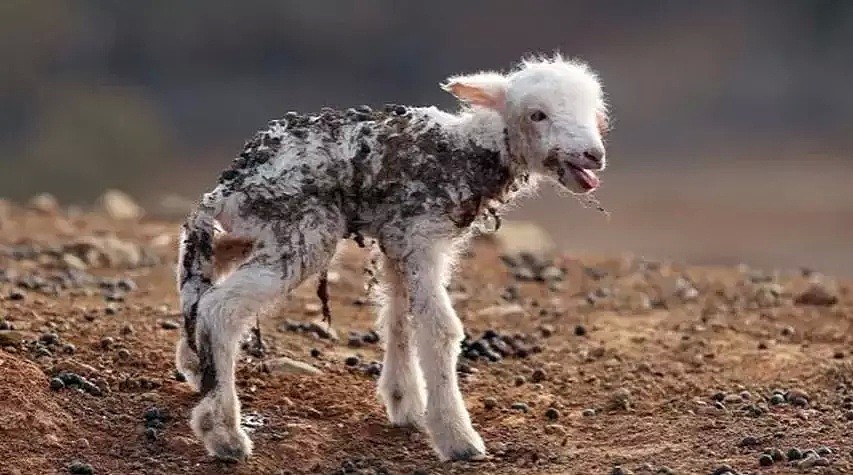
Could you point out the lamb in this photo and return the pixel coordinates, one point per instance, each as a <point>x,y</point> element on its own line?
<point>415,179</point>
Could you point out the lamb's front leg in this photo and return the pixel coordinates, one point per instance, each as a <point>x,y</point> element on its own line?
<point>438,333</point>
<point>401,385</point>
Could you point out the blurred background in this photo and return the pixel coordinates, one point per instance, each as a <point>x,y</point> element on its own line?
<point>733,120</point>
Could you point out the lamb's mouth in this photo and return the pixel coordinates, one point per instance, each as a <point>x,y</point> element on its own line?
<point>587,179</point>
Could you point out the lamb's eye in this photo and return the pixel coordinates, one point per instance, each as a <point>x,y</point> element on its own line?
<point>538,116</point>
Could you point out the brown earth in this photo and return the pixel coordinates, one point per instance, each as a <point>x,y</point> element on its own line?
<point>633,353</point>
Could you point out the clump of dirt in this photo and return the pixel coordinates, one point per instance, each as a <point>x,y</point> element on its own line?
<point>572,364</point>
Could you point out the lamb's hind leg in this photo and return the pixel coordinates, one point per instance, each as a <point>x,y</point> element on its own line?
<point>298,248</point>
<point>401,385</point>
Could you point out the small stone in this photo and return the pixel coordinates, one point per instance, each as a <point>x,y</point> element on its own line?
<point>794,454</point>
<point>10,338</point>
<point>123,354</point>
<point>44,203</point>
<point>56,384</point>
<point>817,295</point>
<point>354,340</point>
<point>169,325</point>
<point>777,399</point>
<point>580,330</point>
<point>490,403</point>
<point>749,441</point>
<point>370,337</point>
<point>589,412</point>
<point>797,397</point>
<point>374,368</point>
<point>49,338</point>
<point>119,205</point>
<point>765,460</point>
<point>538,375</point>
<point>546,330</point>
<point>107,342</point>
<point>552,414</point>
<point>17,295</point>
<point>823,451</point>
<point>69,349</point>
<point>556,429</point>
<point>620,399</point>
<point>151,434</point>
<point>352,360</point>
<point>520,380</point>
<point>519,406</point>
<point>80,468</point>
<point>788,331</point>
<point>617,470</point>
<point>777,455</point>
<point>315,353</point>
<point>285,365</point>
<point>723,470</point>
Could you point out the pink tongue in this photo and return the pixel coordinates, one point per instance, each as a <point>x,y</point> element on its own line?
<point>587,178</point>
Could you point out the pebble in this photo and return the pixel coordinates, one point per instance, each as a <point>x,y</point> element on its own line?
<point>617,470</point>
<point>777,399</point>
<point>589,412</point>
<point>49,338</point>
<point>123,354</point>
<point>315,353</point>
<point>10,338</point>
<point>490,402</point>
<point>285,365</point>
<point>80,468</point>
<point>777,455</point>
<point>620,399</point>
<point>56,384</point>
<point>749,441</point>
<point>580,330</point>
<point>765,460</point>
<point>723,470</point>
<point>538,375</point>
<point>520,380</point>
<point>794,454</point>
<point>169,325</point>
<point>107,342</point>
<point>352,360</point>
<point>17,294</point>
<point>824,451</point>
<point>519,406</point>
<point>552,414</point>
<point>817,295</point>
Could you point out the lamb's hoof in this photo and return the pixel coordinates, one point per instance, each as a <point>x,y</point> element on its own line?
<point>459,445</point>
<point>230,454</point>
<point>470,455</point>
<point>232,448</point>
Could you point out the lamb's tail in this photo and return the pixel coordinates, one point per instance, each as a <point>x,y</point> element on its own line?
<point>195,277</point>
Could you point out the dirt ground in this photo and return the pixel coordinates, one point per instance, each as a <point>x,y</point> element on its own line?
<point>616,364</point>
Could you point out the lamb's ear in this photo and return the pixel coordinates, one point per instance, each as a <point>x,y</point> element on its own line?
<point>481,89</point>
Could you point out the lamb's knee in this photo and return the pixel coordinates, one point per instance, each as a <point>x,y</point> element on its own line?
<point>215,421</point>
<point>187,362</point>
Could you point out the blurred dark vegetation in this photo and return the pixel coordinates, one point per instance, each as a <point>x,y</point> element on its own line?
<point>158,95</point>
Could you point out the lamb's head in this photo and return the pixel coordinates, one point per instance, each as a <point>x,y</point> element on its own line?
<point>555,116</point>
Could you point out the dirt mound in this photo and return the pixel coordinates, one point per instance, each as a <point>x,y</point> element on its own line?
<point>34,428</point>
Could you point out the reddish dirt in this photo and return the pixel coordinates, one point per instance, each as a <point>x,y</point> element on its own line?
<point>671,358</point>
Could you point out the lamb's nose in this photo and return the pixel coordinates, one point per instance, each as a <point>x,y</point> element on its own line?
<point>595,154</point>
